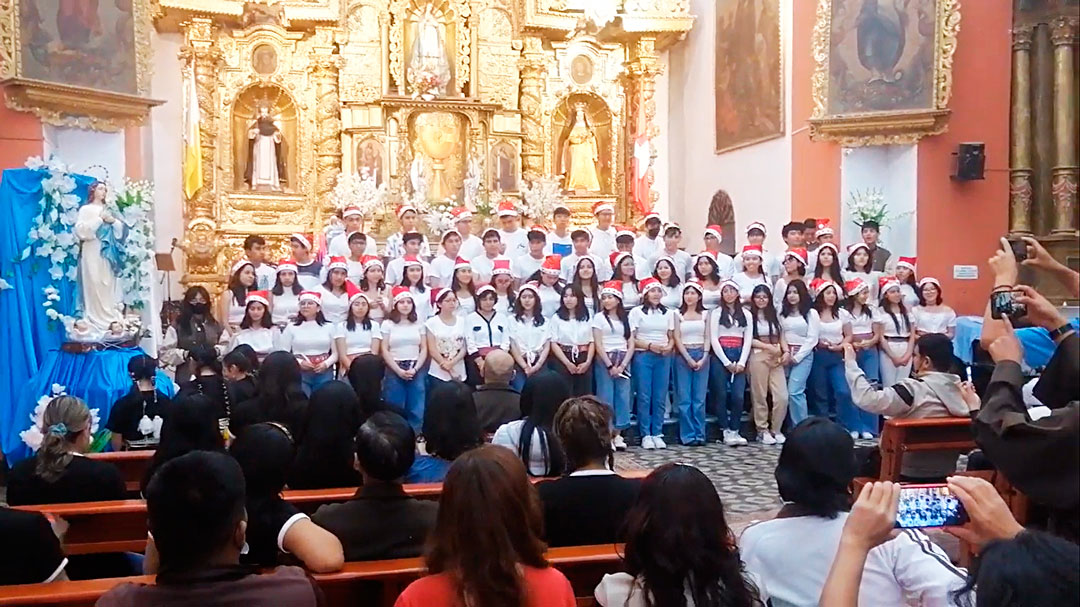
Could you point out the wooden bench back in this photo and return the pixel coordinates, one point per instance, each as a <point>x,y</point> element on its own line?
<point>363,584</point>
<point>902,436</point>
<point>132,465</point>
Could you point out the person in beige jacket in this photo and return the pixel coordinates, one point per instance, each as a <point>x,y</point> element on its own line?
<point>932,391</point>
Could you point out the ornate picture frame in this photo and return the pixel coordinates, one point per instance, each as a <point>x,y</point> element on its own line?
<point>882,75</point>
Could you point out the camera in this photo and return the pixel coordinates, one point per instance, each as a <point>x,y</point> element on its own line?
<point>1019,249</point>
<point>1003,303</point>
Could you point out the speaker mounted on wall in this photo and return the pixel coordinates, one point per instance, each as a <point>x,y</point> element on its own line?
<point>969,161</point>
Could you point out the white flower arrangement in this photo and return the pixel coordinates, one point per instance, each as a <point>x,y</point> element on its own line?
<point>33,435</point>
<point>133,204</point>
<point>361,191</point>
<point>438,215</point>
<point>870,205</point>
<point>540,196</point>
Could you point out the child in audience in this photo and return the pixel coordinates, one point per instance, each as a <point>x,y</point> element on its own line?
<point>451,427</point>
<point>532,438</point>
<point>136,419</point>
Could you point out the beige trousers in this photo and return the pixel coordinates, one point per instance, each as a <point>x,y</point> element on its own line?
<point>767,375</point>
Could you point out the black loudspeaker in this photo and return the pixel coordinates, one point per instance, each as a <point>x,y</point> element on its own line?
<point>970,161</point>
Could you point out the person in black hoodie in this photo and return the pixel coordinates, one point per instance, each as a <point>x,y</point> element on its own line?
<point>207,380</point>
<point>324,458</point>
<point>136,419</point>
<point>193,426</point>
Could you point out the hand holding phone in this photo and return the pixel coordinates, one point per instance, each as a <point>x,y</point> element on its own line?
<point>1003,303</point>
<point>930,505</point>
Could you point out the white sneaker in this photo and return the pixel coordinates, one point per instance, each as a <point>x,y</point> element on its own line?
<point>739,439</point>
<point>766,438</point>
<point>658,442</point>
<point>647,442</point>
<point>619,443</point>
<point>779,438</point>
<point>729,438</point>
<point>854,435</point>
<point>867,436</point>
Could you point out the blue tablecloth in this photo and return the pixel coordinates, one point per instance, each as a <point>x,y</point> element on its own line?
<point>100,378</point>
<point>1038,347</point>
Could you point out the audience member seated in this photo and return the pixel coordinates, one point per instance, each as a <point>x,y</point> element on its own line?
<point>365,376</point>
<point>792,553</point>
<point>207,380</point>
<point>589,504</point>
<point>532,438</point>
<point>679,548</point>
<point>195,514</point>
<point>1015,567</point>
<point>280,397</point>
<point>265,453</point>
<point>932,391</point>
<point>193,426</point>
<point>496,401</point>
<point>450,429</point>
<point>324,459</point>
<point>58,473</point>
<point>135,420</point>
<point>381,521</point>
<point>486,549</point>
<point>39,558</point>
<point>239,368</point>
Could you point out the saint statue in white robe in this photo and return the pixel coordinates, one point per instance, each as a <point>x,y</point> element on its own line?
<point>97,282</point>
<point>266,163</point>
<point>429,51</point>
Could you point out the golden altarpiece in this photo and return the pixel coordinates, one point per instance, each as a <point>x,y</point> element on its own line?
<point>291,93</point>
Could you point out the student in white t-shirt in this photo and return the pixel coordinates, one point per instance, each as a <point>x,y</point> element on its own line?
<point>585,279</point>
<point>233,301</point>
<point>932,315</point>
<point>446,340</point>
<point>471,245</point>
<point>503,280</point>
<point>861,267</point>
<point>707,273</point>
<point>486,329</point>
<point>395,268</point>
<point>793,268</point>
<point>649,243</point>
<point>725,264</point>
<point>680,259</point>
<point>624,270</point>
<point>311,340</point>
<point>691,365</point>
<point>373,284</point>
<point>905,274</point>
<point>792,553</point>
<point>404,349</point>
<point>464,287</point>
<point>801,324</point>
<point>441,268</point>
<point>482,265</point>
<point>865,337</point>
<point>356,256</point>
<point>768,357</point>
<point>730,334</point>
<point>529,334</point>
<point>285,295</point>
<point>524,267</point>
<point>614,353</point>
<point>357,335</point>
<point>335,296</point>
<point>653,326</point>
<point>559,241</point>
<point>666,273</point>
<point>551,285</point>
<point>897,334</point>
<point>353,219</point>
<point>409,220</point>
<point>834,330</point>
<point>256,328</point>
<point>413,278</point>
<point>515,240</point>
<point>581,239</point>
<point>255,251</point>
<point>752,274</point>
<point>572,341</point>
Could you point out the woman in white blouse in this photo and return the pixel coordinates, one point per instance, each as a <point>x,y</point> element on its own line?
<point>529,335</point>
<point>897,334</point>
<point>865,337</point>
<point>310,338</point>
<point>256,328</point>
<point>503,281</point>
<point>625,270</point>
<point>793,268</point>
<point>932,315</point>
<point>670,282</point>
<point>611,332</point>
<point>357,336</point>
<point>234,299</point>
<point>335,297</point>
<point>572,341</point>
<point>768,357</point>
<point>374,287</point>
<point>285,296</point>
<point>585,280</point>
<point>905,275</point>
<point>691,364</point>
<point>834,330</point>
<point>464,287</point>
<point>730,333</point>
<point>752,273</point>
<point>404,349</point>
<point>446,340</point>
<point>707,272</point>
<point>861,267</point>
<point>653,327</point>
<point>412,277</point>
<point>801,324</point>
<point>486,329</point>
<point>551,285</point>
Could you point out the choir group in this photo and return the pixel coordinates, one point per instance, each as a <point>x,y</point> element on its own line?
<point>633,318</point>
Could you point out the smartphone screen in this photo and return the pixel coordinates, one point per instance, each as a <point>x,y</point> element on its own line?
<point>929,506</point>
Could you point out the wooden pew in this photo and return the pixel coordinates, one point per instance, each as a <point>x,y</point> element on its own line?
<point>375,583</point>
<point>120,526</point>
<point>902,436</point>
<point>132,465</point>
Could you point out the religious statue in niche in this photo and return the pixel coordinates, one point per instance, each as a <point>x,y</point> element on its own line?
<point>266,162</point>
<point>429,65</point>
<point>369,156</point>
<point>100,235</point>
<point>581,155</point>
<point>504,168</point>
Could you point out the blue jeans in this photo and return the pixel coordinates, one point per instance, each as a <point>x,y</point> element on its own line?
<point>407,395</point>
<point>828,374</point>
<point>613,392</point>
<point>797,377</point>
<point>690,389</point>
<point>729,391</point>
<point>311,381</point>
<point>869,361</point>
<point>651,373</point>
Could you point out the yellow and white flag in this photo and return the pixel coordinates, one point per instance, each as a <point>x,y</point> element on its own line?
<point>192,142</point>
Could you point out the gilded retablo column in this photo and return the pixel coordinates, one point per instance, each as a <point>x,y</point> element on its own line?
<point>1063,36</point>
<point>642,68</point>
<point>533,66</point>
<point>1020,171</point>
<point>324,68</point>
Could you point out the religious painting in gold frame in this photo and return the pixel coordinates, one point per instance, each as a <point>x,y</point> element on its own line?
<point>749,73</point>
<point>883,71</point>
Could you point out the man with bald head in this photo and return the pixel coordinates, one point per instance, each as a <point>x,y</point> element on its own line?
<point>497,402</point>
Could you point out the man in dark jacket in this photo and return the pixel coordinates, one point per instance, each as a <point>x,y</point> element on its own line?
<point>496,401</point>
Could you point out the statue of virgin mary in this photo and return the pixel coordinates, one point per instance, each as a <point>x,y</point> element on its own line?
<point>99,233</point>
<point>428,53</point>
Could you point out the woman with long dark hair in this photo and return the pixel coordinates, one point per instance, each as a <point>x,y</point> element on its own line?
<point>572,344</point>
<point>279,397</point>
<point>310,338</point>
<point>195,326</point>
<point>905,275</point>
<point>865,337</point>
<point>404,350</point>
<point>801,323</point>
<point>308,266</point>
<point>585,280</point>
<point>932,315</point>
<point>624,266</point>
<point>374,287</point>
<point>256,329</point>
<point>730,333</point>
<point>652,326</point>
<point>324,456</point>
<point>679,549</point>
<point>897,333</point>
<point>861,267</point>
<point>486,549</point>
<point>551,285</point>
<point>242,280</point>
<point>529,336</point>
<point>446,339</point>
<point>464,286</point>
<point>334,292</point>
<point>285,295</point>
<point>209,381</point>
<point>193,426</point>
<point>769,355</point>
<point>412,277</point>
<point>532,438</point>
<point>135,420</point>
<point>357,336</point>
<point>670,282</point>
<point>834,330</point>
<point>828,266</point>
<point>503,281</point>
<point>707,273</point>
<point>614,353</point>
<point>691,364</point>
<point>451,427</point>
<point>793,269</point>
<point>753,272</point>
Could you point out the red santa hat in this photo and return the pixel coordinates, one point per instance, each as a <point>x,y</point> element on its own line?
<point>728,283</point>
<point>411,260</point>
<point>797,253</point>
<point>856,246</point>
<point>399,292</point>
<point>560,206</point>
<point>715,230</point>
<point>671,225</point>
<point>651,215</point>
<point>929,280</point>
<point>484,288</point>
<point>337,263</point>
<point>552,265</point>
<point>305,240</point>
<point>538,228</point>
<point>262,297</point>
<point>239,265</point>
<point>500,265</point>
<point>438,294</point>
<point>854,286</point>
<point>907,262</point>
<point>612,287</point>
<point>616,258</point>
<point>287,265</point>
<point>818,285</point>
<point>506,208</point>
<point>752,249</point>
<point>352,211</point>
<point>461,214</point>
<point>650,283</point>
<point>756,225</point>
<point>601,206</point>
<point>404,208</point>
<point>823,228</point>
<point>314,296</point>
<point>461,262</point>
<point>827,245</point>
<point>694,283</point>
<point>888,282</point>
<point>488,231</point>
<point>370,261</point>
<point>354,293</point>
<point>530,286</point>
<point>449,232</point>
<point>621,231</point>
<point>667,258</point>
<point>707,255</point>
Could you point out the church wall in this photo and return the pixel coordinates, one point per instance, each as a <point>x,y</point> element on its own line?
<point>20,137</point>
<point>163,141</point>
<point>757,177</point>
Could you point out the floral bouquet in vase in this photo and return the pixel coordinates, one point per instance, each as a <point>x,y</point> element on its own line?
<point>426,84</point>
<point>438,215</point>
<point>869,206</point>
<point>360,191</point>
<point>540,197</point>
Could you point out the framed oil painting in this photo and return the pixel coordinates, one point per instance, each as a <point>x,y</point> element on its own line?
<point>883,70</point>
<point>749,73</point>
